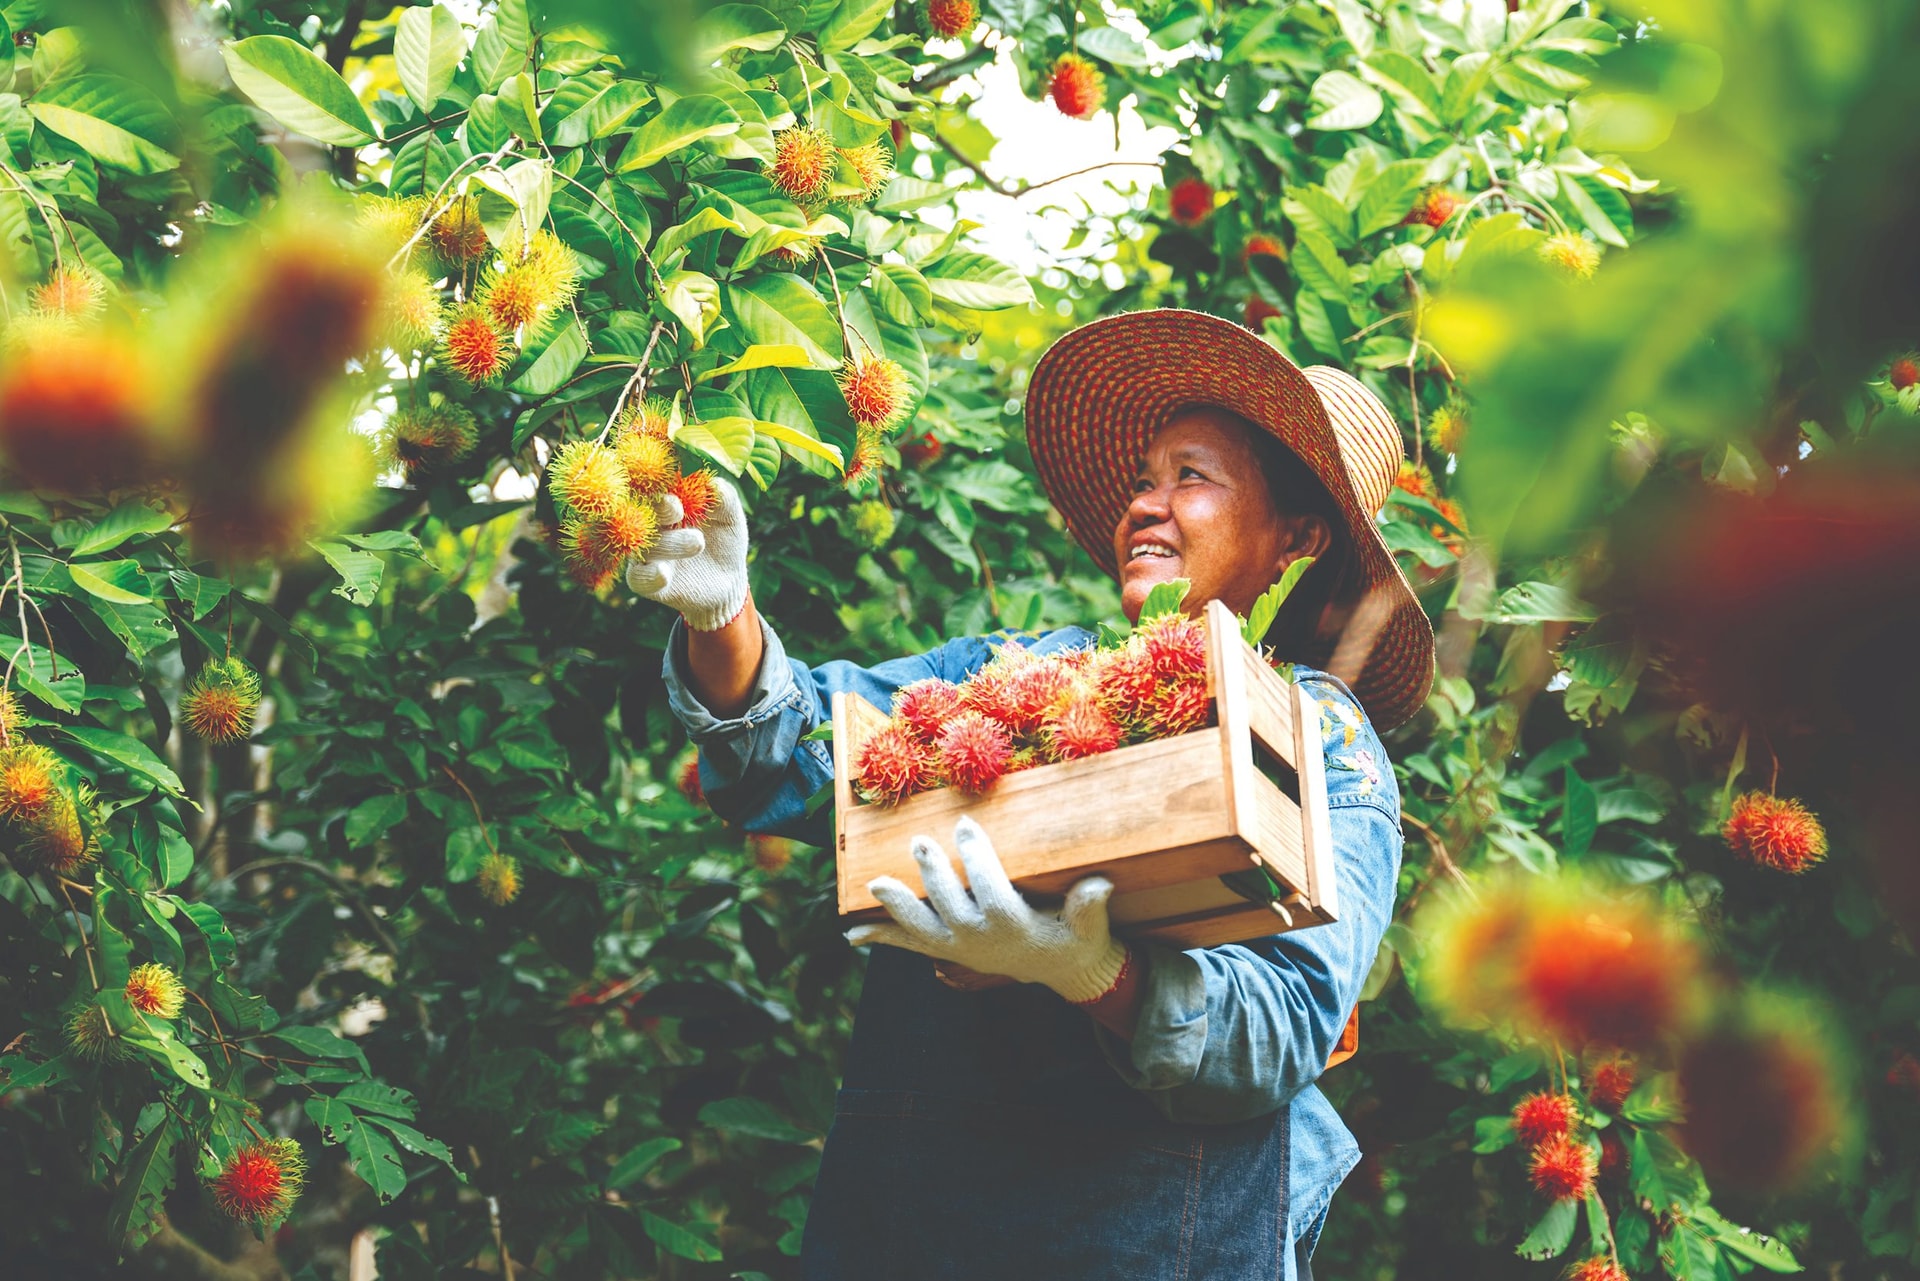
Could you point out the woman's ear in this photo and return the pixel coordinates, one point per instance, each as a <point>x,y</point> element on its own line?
<point>1308,535</point>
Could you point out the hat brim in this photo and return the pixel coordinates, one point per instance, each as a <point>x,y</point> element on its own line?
<point>1100,394</point>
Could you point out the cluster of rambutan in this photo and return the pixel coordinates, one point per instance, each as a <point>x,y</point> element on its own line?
<point>1024,709</point>
<point>876,391</point>
<point>810,171</point>
<point>604,493</point>
<point>47,822</point>
<point>1560,1162</point>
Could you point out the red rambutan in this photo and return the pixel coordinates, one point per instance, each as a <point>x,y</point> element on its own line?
<point>457,235</point>
<point>1776,832</point>
<point>75,412</point>
<point>1610,1082</point>
<point>1126,682</point>
<point>474,347</point>
<point>875,390</point>
<point>1076,86</point>
<point>1562,1169</point>
<point>892,765</point>
<point>922,452</point>
<point>1190,202</point>
<point>1904,372</point>
<point>1587,979</point>
<point>689,780</point>
<point>699,495</point>
<point>1543,1116</point>
<point>1613,1156</point>
<point>1261,245</point>
<point>1598,1268</point>
<point>1179,707</point>
<point>926,706</point>
<point>1415,479</point>
<point>973,751</point>
<point>1434,207</point>
<point>259,1182</point>
<point>630,529</point>
<point>1175,646</point>
<point>1259,311</point>
<point>1762,1103</point>
<point>952,18</point>
<point>1079,726</point>
<point>1029,692</point>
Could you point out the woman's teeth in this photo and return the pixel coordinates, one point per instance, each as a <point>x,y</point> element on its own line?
<point>1149,549</point>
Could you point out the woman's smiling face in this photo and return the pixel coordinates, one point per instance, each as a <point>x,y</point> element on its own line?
<point>1202,511</point>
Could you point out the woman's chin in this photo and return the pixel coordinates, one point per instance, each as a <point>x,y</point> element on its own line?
<point>1141,576</point>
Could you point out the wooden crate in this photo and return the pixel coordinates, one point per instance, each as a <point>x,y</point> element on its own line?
<point>1163,820</point>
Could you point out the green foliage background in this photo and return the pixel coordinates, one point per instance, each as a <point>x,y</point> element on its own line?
<point>627,1070</point>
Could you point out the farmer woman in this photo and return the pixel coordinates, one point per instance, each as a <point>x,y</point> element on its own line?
<point>1120,1112</point>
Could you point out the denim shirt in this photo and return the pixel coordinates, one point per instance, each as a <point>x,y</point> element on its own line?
<point>1226,1034</point>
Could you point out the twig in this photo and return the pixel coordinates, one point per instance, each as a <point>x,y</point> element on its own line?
<point>1001,188</point>
<point>1440,854</point>
<point>85,948</point>
<point>478,817</point>
<point>945,73</point>
<point>642,374</point>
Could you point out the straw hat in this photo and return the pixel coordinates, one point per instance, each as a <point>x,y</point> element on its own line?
<point>1099,395</point>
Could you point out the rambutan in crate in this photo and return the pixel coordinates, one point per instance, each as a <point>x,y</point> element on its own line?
<point>1213,836</point>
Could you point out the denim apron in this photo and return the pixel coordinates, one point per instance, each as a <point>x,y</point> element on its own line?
<point>982,1136</point>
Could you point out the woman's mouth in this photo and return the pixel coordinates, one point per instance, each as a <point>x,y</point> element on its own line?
<point>1146,551</point>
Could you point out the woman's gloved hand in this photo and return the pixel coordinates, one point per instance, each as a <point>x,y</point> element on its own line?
<point>993,930</point>
<point>702,572</point>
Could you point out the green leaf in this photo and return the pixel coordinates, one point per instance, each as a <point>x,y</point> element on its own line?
<point>1267,608</point>
<point>120,525</point>
<point>1389,197</point>
<point>694,299</point>
<point>639,1161</point>
<point>1541,603</point>
<point>736,26</point>
<point>157,1040</point>
<point>977,283</point>
<point>428,45</point>
<point>761,356</point>
<point>902,293</point>
<point>704,222</point>
<point>674,1239</point>
<point>853,22</point>
<point>1654,1101</point>
<point>1410,84</point>
<point>1164,598</point>
<point>85,577</point>
<point>319,1043</point>
<point>1602,207</point>
<point>125,751</point>
<point>727,439</point>
<point>360,571</point>
<point>291,84</point>
<point>414,1141</point>
<point>780,310</point>
<point>117,121</point>
<point>374,1096</point>
<point>1552,1234</point>
<point>16,1073</point>
<point>1342,100</point>
<point>373,1155</point>
<point>500,48</point>
<point>1745,1242</point>
<point>1320,266</point>
<point>213,928</point>
<point>1689,1255</point>
<point>145,1177</point>
<point>1492,1133</point>
<point>756,1117</point>
<point>800,442</point>
<point>556,361</point>
<point>370,819</point>
<point>1581,817</point>
<point>685,122</point>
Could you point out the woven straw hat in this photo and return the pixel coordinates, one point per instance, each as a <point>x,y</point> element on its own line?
<point>1099,395</point>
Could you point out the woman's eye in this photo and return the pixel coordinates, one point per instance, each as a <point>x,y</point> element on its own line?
<point>1188,471</point>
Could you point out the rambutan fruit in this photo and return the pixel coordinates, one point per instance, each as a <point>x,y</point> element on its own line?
<point>649,461</point>
<point>422,439</point>
<point>631,529</point>
<point>72,291</point>
<point>221,700</point>
<point>873,524</point>
<point>1259,311</point>
<point>499,878</point>
<point>1542,1116</point>
<point>699,495</point>
<point>1261,245</point>
<point>973,751</point>
<point>1775,832</point>
<point>771,854</point>
<point>30,778</point>
<point>62,837</point>
<point>1610,977</point>
<point>260,1182</point>
<point>652,416</point>
<point>526,294</point>
<point>1190,202</point>
<point>892,765</point>
<point>588,478</point>
<point>869,459</point>
<point>1562,1169</point>
<point>923,452</point>
<point>389,221</point>
<point>1031,689</point>
<point>1434,207</point>
<point>1447,426</point>
<point>156,991</point>
<point>1175,646</point>
<point>1598,1268</point>
<point>474,347</point>
<point>802,164</point>
<point>589,560</point>
<point>457,235</point>
<point>952,18</point>
<point>1126,682</point>
<point>688,780</point>
<point>1610,1081</point>
<point>11,718</point>
<point>925,706</point>
<point>792,255</point>
<point>76,411</point>
<point>92,1038</point>
<point>1613,1156</point>
<point>1414,479</point>
<point>1079,726</point>
<point>875,389</point>
<point>413,310</point>
<point>873,165</point>
<point>1763,1103</point>
<point>1904,371</point>
<point>1076,86</point>
<point>1572,253</point>
<point>1179,707</point>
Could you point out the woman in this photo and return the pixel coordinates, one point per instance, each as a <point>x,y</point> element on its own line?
<point>1168,1127</point>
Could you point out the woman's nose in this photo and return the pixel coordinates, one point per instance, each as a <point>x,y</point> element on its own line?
<point>1149,507</point>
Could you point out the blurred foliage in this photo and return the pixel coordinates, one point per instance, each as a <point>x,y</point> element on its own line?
<point>1633,276</point>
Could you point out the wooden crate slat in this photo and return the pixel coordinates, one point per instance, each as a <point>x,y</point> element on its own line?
<point>1231,925</point>
<point>1321,884</point>
<point>1280,838</point>
<point>1208,894</point>
<point>1270,707</point>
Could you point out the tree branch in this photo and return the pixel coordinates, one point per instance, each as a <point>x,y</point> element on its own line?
<point>1004,189</point>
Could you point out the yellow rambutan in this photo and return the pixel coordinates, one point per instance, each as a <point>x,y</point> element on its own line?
<point>457,235</point>
<point>72,290</point>
<point>873,164</point>
<point>220,702</point>
<point>630,529</point>
<point>30,778</point>
<point>424,438</point>
<point>524,295</point>
<point>802,164</point>
<point>92,1038</point>
<point>1572,253</point>
<point>11,714</point>
<point>649,461</point>
<point>389,221</point>
<point>587,477</point>
<point>875,389</point>
<point>76,408</point>
<point>1447,426</point>
<point>474,347</point>
<point>869,459</point>
<point>156,991</point>
<point>499,879</point>
<point>652,416</point>
<point>699,494</point>
<point>61,837</point>
<point>413,310</point>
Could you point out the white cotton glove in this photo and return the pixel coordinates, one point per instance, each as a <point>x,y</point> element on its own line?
<point>702,573</point>
<point>993,930</point>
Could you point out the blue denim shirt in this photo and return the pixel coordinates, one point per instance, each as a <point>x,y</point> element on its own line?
<point>1225,1034</point>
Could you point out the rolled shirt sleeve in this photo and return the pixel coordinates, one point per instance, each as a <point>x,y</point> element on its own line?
<point>1229,1033</point>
